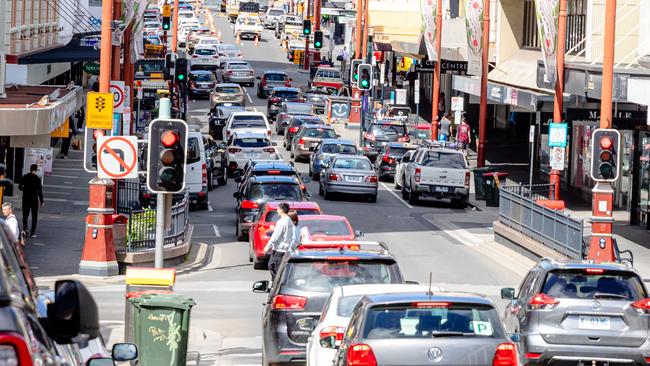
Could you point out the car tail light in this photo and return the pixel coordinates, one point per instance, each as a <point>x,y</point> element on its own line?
<point>146,195</point>
<point>369,136</point>
<point>403,139</point>
<point>270,150</point>
<point>642,306</point>
<point>327,332</point>
<point>467,178</point>
<point>288,302</point>
<point>14,350</point>
<point>303,188</point>
<point>371,179</point>
<point>233,165</point>
<point>532,355</point>
<point>239,54</point>
<point>204,174</point>
<point>301,142</point>
<point>542,301</point>
<point>595,270</point>
<point>216,57</point>
<point>334,177</point>
<point>505,355</point>
<point>249,205</point>
<point>388,159</point>
<point>195,56</point>
<point>293,129</point>
<point>275,100</point>
<point>361,355</point>
<point>229,72</point>
<point>418,175</point>
<point>233,150</point>
<point>268,132</point>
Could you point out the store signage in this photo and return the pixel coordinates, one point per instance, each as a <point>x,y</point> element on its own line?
<point>92,68</point>
<point>557,134</point>
<point>445,66</point>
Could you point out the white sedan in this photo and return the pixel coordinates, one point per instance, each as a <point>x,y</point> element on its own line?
<point>204,58</point>
<point>242,147</point>
<point>247,122</point>
<point>399,169</point>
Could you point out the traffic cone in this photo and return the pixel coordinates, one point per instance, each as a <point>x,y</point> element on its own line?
<point>237,39</point>
<point>219,35</point>
<point>257,40</point>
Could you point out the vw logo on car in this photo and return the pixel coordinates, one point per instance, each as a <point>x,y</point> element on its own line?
<point>435,354</point>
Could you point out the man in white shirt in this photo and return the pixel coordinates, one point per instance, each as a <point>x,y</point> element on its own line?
<point>10,219</point>
<point>281,238</point>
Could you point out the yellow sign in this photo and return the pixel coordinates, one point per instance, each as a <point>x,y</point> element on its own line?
<point>297,56</point>
<point>63,130</point>
<point>166,11</point>
<point>99,110</point>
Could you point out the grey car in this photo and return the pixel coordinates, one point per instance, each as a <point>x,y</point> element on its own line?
<point>327,149</point>
<point>294,124</point>
<point>581,313</point>
<point>289,109</point>
<point>240,72</point>
<point>349,174</point>
<point>425,328</point>
<point>308,138</point>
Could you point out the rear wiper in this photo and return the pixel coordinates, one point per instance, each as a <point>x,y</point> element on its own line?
<point>435,334</point>
<point>604,295</point>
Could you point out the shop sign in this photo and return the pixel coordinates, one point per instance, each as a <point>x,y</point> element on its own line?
<point>92,68</point>
<point>557,134</point>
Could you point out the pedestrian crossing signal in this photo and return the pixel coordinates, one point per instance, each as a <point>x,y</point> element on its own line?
<point>318,39</point>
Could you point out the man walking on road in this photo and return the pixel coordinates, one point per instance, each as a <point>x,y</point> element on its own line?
<point>32,189</point>
<point>281,238</point>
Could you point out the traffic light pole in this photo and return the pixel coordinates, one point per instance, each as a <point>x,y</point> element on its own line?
<point>164,112</point>
<point>435,100</point>
<point>483,108</point>
<point>306,57</point>
<point>558,106</point>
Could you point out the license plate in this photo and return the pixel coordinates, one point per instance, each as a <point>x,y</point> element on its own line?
<point>227,104</point>
<point>439,189</point>
<point>353,179</point>
<point>594,322</point>
<point>252,155</point>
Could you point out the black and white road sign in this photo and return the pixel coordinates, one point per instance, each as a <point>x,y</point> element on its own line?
<point>117,157</point>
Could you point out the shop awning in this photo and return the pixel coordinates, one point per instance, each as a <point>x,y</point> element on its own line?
<point>74,51</point>
<point>454,43</point>
<point>501,94</point>
<point>381,46</point>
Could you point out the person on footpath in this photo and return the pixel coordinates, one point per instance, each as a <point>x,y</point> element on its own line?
<point>32,189</point>
<point>10,219</point>
<point>445,127</point>
<point>464,135</point>
<point>281,239</point>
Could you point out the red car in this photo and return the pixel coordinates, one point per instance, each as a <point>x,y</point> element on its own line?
<point>260,233</point>
<point>328,228</point>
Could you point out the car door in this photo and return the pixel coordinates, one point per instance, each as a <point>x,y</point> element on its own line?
<point>194,164</point>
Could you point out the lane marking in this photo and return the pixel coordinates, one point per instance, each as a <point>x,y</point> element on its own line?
<point>65,176</point>
<point>248,96</point>
<point>210,208</point>
<point>399,198</point>
<point>216,231</point>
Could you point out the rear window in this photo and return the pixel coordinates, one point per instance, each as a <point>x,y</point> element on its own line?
<point>332,74</point>
<point>387,130</point>
<point>193,150</point>
<point>227,89</point>
<point>228,47</point>
<point>238,66</point>
<point>252,142</point>
<point>323,276</point>
<point>208,41</point>
<point>357,164</point>
<point>276,77</point>
<point>273,216</point>
<point>440,159</point>
<point>420,320</point>
<point>300,120</point>
<point>578,284</point>
<point>340,149</point>
<point>276,12</point>
<point>301,108</point>
<point>202,77</point>
<point>248,122</point>
<point>275,191</point>
<point>322,133</point>
<point>285,93</point>
<point>327,227</point>
<point>398,151</point>
<point>205,52</point>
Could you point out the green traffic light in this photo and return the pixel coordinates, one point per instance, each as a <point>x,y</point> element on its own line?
<point>317,44</point>
<point>356,77</point>
<point>364,83</point>
<point>181,77</point>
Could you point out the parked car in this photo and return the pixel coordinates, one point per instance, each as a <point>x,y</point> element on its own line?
<point>251,122</point>
<point>326,150</point>
<point>289,110</point>
<point>270,80</point>
<point>272,16</point>
<point>389,156</point>
<point>218,118</point>
<point>308,138</point>
<point>237,71</point>
<point>437,173</point>
<point>244,146</point>
<point>215,154</point>
<point>399,169</point>
<point>204,58</point>
<point>227,94</point>
<point>294,124</point>
<point>279,95</point>
<point>348,174</point>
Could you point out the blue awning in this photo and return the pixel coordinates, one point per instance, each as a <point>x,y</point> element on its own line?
<point>77,50</point>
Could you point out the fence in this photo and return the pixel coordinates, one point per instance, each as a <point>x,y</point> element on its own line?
<point>131,195</point>
<point>518,210</point>
<point>141,232</point>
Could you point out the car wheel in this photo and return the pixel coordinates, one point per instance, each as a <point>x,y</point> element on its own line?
<point>405,194</point>
<point>210,182</point>
<point>397,186</point>
<point>327,195</point>
<point>320,190</point>
<point>373,198</point>
<point>203,205</point>
<point>223,179</point>
<point>413,198</point>
<point>461,203</point>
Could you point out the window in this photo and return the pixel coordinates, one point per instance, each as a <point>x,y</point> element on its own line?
<point>357,164</point>
<point>276,12</point>
<point>301,108</point>
<point>327,227</point>
<point>576,26</point>
<point>239,66</point>
<point>227,89</point>
<point>398,151</point>
<point>330,74</point>
<point>252,142</point>
<point>275,191</point>
<point>248,122</point>
<point>273,216</point>
<point>578,284</point>
<point>320,133</point>
<point>323,276</point>
<point>286,93</point>
<point>388,130</point>
<point>441,159</point>
<point>205,52</point>
<point>340,149</point>
<point>202,77</point>
<point>276,77</point>
<point>193,150</point>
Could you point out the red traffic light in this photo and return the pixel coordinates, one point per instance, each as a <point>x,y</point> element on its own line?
<point>98,133</point>
<point>169,138</point>
<point>606,142</point>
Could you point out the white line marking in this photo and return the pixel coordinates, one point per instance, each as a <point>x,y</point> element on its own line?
<point>216,231</point>
<point>45,186</point>
<point>65,176</point>
<point>67,182</point>
<point>249,97</point>
<point>210,208</point>
<point>399,198</point>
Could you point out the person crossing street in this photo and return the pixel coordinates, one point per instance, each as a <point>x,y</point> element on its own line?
<point>32,189</point>
<point>281,238</point>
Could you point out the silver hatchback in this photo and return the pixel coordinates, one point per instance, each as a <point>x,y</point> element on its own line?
<point>348,174</point>
<point>580,313</point>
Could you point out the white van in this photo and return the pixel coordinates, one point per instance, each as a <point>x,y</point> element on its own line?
<point>196,172</point>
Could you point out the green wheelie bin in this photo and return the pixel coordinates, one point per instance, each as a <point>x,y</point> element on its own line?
<point>492,182</point>
<point>479,181</point>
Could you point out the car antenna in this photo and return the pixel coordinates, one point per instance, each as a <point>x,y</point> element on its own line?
<point>430,293</point>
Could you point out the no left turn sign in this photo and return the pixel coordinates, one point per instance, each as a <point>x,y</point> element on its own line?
<point>117,157</point>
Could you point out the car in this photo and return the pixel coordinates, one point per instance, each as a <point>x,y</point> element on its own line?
<point>318,100</point>
<point>294,124</point>
<point>196,170</point>
<point>262,189</point>
<point>152,27</point>
<point>304,281</point>
<point>259,167</point>
<point>349,174</point>
<point>327,77</point>
<point>215,154</point>
<point>228,52</point>
<point>380,133</point>
<point>238,71</point>
<point>244,146</point>
<point>325,151</point>
<point>389,156</point>
<point>287,24</point>
<point>292,109</point>
<point>248,26</point>
<point>204,58</point>
<point>194,35</point>
<point>328,228</point>
<point>207,42</point>
<point>227,94</point>
<point>328,333</point>
<point>252,122</point>
<point>425,327</point>
<point>399,169</point>
<point>421,132</point>
<point>270,80</point>
<point>262,229</point>
<point>217,120</point>
<point>201,83</point>
<point>581,312</point>
<point>272,17</point>
<point>279,95</point>
<point>308,138</point>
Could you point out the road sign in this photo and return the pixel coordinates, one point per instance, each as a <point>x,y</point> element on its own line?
<point>99,107</point>
<point>557,134</point>
<point>117,157</point>
<point>119,95</point>
<point>557,158</point>
<point>416,89</point>
<point>457,103</point>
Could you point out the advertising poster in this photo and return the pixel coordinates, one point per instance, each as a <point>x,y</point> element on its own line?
<point>473,24</point>
<point>547,22</point>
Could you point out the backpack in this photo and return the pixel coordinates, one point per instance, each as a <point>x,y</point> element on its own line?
<point>463,133</point>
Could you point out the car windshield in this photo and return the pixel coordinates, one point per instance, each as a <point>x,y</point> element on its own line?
<point>202,77</point>
<point>306,119</point>
<point>580,284</point>
<point>248,122</point>
<point>357,164</point>
<point>251,142</point>
<point>427,319</point>
<point>387,130</point>
<point>327,227</point>
<point>205,52</point>
<point>276,77</point>
<point>340,149</point>
<point>273,216</point>
<point>227,89</point>
<point>275,191</point>
<point>321,133</point>
<point>300,108</point>
<point>441,159</point>
<point>323,276</point>
<point>285,93</point>
<point>398,151</point>
<point>331,74</point>
<point>251,21</point>
<point>193,150</point>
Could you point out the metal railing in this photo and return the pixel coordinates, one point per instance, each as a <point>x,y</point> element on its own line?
<point>519,211</point>
<point>130,196</point>
<point>141,228</point>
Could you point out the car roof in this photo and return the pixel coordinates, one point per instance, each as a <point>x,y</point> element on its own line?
<point>231,108</point>
<point>300,205</point>
<point>373,289</point>
<point>285,88</point>
<point>227,84</point>
<point>248,113</point>
<point>243,135</point>
<point>350,156</point>
<point>295,104</point>
<point>551,264</point>
<point>327,218</point>
<point>395,122</point>
<point>443,149</point>
<point>273,179</point>
<point>426,296</point>
<point>405,145</point>
<point>328,68</point>
<point>201,72</point>
<point>337,141</point>
<point>330,253</point>
<point>274,72</point>
<point>312,125</point>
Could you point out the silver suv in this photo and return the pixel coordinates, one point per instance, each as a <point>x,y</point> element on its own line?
<point>581,313</point>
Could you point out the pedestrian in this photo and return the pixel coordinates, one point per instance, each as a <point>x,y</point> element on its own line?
<point>32,189</point>
<point>281,238</point>
<point>464,135</point>
<point>298,231</point>
<point>445,127</point>
<point>10,219</point>
<point>344,57</point>
<point>442,106</point>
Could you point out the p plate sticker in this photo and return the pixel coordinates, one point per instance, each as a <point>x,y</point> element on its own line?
<point>482,328</point>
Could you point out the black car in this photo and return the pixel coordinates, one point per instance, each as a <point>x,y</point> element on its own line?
<point>389,156</point>
<point>382,132</point>
<point>258,190</point>
<point>215,159</point>
<point>258,168</point>
<point>201,83</point>
<point>270,80</point>
<point>301,288</point>
<point>218,118</point>
<point>294,126</point>
<point>279,95</point>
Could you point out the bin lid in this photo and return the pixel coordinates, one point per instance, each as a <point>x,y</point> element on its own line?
<point>135,294</point>
<point>158,300</point>
<point>496,174</point>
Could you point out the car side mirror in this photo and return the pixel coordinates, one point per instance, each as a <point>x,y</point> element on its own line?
<point>508,293</point>
<point>101,361</point>
<point>73,316</point>
<point>261,287</point>
<point>515,337</point>
<point>124,352</point>
<point>274,143</point>
<point>330,342</point>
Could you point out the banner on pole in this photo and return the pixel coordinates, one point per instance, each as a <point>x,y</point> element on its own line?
<point>547,12</point>
<point>429,8</point>
<point>474,26</point>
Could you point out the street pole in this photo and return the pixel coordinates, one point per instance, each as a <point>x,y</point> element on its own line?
<point>531,141</point>
<point>305,59</point>
<point>3,51</point>
<point>164,112</point>
<point>128,73</point>
<point>364,47</point>
<point>357,30</point>
<point>175,26</point>
<point>435,97</point>
<point>558,105</point>
<point>105,49</point>
<point>482,128</point>
<point>116,68</point>
<point>601,248</point>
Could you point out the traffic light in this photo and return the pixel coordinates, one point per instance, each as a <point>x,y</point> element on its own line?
<point>181,70</point>
<point>167,17</point>
<point>170,65</point>
<point>354,71</point>
<point>306,27</point>
<point>90,148</point>
<point>365,76</point>
<point>166,157</point>
<point>605,157</point>
<point>318,39</point>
